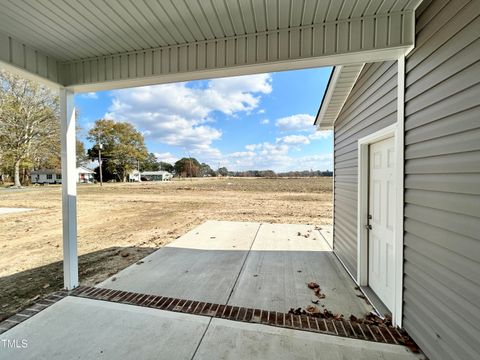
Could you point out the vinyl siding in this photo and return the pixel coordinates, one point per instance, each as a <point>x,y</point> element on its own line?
<point>442,181</point>
<point>370,107</point>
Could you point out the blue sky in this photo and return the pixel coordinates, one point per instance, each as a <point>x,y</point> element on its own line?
<point>248,122</point>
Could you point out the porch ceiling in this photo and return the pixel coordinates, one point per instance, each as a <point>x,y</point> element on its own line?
<point>84,42</point>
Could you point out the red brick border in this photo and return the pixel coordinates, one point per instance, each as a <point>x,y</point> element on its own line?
<point>27,313</point>
<point>344,328</point>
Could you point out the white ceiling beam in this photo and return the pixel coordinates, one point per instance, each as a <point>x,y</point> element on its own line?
<point>372,38</point>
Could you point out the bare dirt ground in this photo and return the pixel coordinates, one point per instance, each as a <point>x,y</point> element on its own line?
<point>118,224</point>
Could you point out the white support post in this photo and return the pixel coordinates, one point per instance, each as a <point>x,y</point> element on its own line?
<point>69,189</point>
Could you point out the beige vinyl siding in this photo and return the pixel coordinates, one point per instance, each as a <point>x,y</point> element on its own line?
<point>370,107</point>
<point>442,181</point>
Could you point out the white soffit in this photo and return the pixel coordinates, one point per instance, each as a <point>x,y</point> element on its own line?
<point>340,85</point>
<point>121,42</point>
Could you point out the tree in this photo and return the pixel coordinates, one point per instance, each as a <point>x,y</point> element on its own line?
<point>150,163</point>
<point>29,125</point>
<point>82,157</point>
<point>223,171</point>
<point>189,167</point>
<point>166,167</point>
<point>206,170</point>
<point>123,146</point>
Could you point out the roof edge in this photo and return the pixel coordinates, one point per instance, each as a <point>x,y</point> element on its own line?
<point>327,95</point>
<point>341,82</point>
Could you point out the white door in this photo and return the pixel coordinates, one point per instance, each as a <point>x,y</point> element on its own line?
<point>381,218</point>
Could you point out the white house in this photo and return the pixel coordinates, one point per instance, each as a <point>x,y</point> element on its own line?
<point>155,176</point>
<point>46,176</point>
<point>49,176</point>
<point>137,176</point>
<point>134,176</point>
<point>85,175</point>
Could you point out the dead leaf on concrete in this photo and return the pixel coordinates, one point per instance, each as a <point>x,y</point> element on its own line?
<point>312,309</point>
<point>313,285</point>
<point>337,316</point>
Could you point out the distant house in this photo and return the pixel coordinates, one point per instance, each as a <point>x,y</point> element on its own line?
<point>137,176</point>
<point>134,176</point>
<point>46,176</point>
<point>85,175</point>
<point>49,176</point>
<point>155,176</point>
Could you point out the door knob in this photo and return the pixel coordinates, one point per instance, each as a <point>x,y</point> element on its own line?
<point>368,227</point>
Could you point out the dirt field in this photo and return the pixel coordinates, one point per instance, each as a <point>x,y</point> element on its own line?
<point>120,223</point>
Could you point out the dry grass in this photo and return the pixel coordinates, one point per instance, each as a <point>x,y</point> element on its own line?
<point>121,223</point>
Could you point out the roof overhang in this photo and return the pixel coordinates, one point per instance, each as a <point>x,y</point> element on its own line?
<point>339,86</point>
<point>98,45</point>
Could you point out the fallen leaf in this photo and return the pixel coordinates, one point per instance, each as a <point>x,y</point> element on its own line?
<point>312,309</point>
<point>313,285</point>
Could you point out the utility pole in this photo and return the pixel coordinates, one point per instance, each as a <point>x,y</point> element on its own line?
<point>100,147</point>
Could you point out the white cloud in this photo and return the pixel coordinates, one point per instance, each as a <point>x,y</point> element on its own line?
<point>275,157</point>
<point>89,95</point>
<point>321,134</point>
<point>180,115</point>
<point>294,140</point>
<point>167,157</point>
<point>297,122</point>
<point>264,121</point>
<point>242,154</point>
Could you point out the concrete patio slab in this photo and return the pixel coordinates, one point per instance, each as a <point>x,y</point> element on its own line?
<point>283,259</point>
<point>4,211</point>
<point>264,266</point>
<point>231,340</point>
<point>201,265</point>
<point>76,328</point>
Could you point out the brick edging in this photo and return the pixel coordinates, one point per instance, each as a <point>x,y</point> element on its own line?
<point>30,311</point>
<point>342,327</point>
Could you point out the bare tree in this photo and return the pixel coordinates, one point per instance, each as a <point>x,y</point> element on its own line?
<point>29,125</point>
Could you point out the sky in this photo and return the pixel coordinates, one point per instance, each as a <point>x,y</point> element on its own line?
<point>252,122</point>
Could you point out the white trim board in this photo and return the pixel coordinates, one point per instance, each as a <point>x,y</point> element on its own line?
<point>362,214</point>
<point>399,189</point>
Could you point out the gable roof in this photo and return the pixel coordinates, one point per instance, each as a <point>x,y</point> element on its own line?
<point>339,87</point>
<point>84,170</point>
